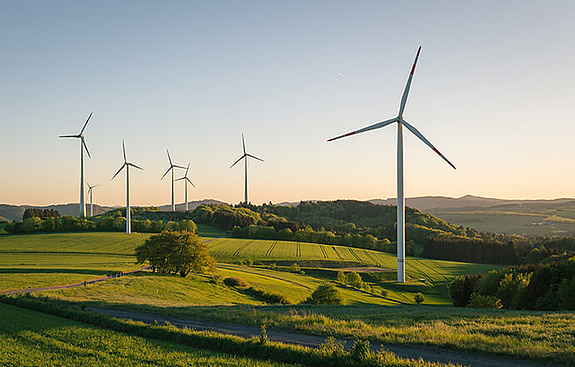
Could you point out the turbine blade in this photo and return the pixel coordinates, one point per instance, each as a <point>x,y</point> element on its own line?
<point>254,157</point>
<point>69,136</point>
<point>368,128</point>
<point>86,123</point>
<point>243,144</point>
<point>85,147</point>
<point>236,162</point>
<point>169,158</point>
<point>177,166</point>
<point>408,85</point>
<point>164,175</point>
<point>124,151</point>
<point>179,179</point>
<point>190,181</point>
<point>187,169</point>
<point>133,165</point>
<point>121,168</point>
<point>424,139</point>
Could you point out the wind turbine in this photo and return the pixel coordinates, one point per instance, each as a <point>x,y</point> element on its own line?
<point>127,165</point>
<point>82,147</point>
<point>246,156</point>
<point>186,180</point>
<point>172,166</point>
<point>90,189</point>
<point>400,197</point>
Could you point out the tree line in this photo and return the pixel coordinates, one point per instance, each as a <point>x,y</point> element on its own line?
<point>105,223</point>
<point>549,285</point>
<point>40,213</point>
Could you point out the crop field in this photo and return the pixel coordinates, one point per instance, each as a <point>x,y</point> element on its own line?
<point>550,222</point>
<point>30,261</point>
<point>434,273</point>
<point>30,338</point>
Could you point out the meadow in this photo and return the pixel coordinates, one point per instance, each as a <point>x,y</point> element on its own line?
<point>522,221</point>
<point>30,338</point>
<point>547,337</point>
<point>50,259</point>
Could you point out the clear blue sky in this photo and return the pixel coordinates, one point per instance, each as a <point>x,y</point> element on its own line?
<point>494,90</point>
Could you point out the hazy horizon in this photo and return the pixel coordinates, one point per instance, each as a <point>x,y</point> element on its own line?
<point>493,91</point>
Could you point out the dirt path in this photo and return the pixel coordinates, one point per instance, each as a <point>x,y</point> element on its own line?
<point>84,283</point>
<point>412,352</point>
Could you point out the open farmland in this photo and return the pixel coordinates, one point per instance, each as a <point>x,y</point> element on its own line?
<point>521,221</point>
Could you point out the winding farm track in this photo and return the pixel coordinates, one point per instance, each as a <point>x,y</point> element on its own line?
<point>314,341</point>
<point>118,274</point>
<point>84,283</point>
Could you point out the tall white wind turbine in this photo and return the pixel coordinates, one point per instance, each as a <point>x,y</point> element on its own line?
<point>82,147</point>
<point>90,194</point>
<point>400,196</point>
<point>245,156</point>
<point>186,180</point>
<point>172,166</point>
<point>127,165</point>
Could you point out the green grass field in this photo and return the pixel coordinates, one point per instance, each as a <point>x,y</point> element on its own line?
<point>50,259</point>
<point>522,222</point>
<point>29,338</point>
<point>543,336</point>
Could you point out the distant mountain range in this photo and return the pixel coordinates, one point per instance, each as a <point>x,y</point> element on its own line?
<point>430,204</point>
<point>433,204</point>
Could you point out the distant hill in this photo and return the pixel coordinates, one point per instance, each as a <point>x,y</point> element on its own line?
<point>470,202</point>
<point>191,205</point>
<point>15,212</point>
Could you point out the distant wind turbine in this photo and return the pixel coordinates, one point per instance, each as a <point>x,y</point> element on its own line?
<point>172,166</point>
<point>246,156</point>
<point>90,189</point>
<point>82,147</point>
<point>127,165</point>
<point>186,180</point>
<point>400,197</point>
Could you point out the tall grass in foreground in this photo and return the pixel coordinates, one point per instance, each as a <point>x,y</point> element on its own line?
<point>30,338</point>
<point>530,335</point>
<point>262,348</point>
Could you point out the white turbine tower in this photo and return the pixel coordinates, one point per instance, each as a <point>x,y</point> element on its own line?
<point>172,166</point>
<point>400,197</point>
<point>246,156</point>
<point>127,165</point>
<point>186,180</point>
<point>90,189</point>
<point>82,147</point>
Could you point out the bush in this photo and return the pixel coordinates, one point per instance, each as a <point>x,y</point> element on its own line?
<point>236,282</point>
<point>481,301</point>
<point>325,294</point>
<point>267,296</point>
<point>360,351</point>
<point>418,298</point>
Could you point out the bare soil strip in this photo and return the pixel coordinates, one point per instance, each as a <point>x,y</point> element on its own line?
<point>313,341</point>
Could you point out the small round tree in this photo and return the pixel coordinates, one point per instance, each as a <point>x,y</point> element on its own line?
<point>325,294</point>
<point>175,252</point>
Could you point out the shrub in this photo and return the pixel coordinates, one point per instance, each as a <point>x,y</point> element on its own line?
<point>360,351</point>
<point>267,296</point>
<point>325,294</point>
<point>331,346</point>
<point>481,301</point>
<point>418,298</point>
<point>236,282</point>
